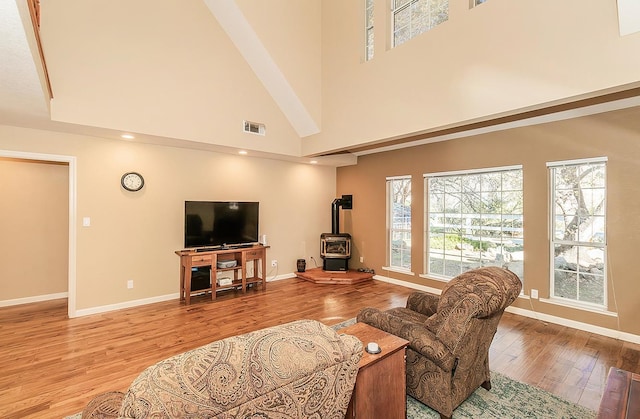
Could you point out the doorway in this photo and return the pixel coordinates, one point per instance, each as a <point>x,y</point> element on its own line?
<point>70,162</point>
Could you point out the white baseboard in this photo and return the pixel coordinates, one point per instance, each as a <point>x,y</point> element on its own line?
<point>126,304</point>
<point>144,301</point>
<point>34,299</point>
<point>586,327</point>
<point>612,333</point>
<point>281,277</point>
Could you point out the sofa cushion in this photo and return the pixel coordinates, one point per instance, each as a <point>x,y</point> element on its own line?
<point>299,369</point>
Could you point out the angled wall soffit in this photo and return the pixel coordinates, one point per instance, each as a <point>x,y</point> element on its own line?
<point>233,22</point>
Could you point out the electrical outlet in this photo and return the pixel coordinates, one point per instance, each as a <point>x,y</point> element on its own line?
<point>274,263</point>
<point>130,283</point>
<point>534,294</point>
<point>361,259</point>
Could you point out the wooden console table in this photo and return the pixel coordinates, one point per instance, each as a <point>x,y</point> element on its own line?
<point>621,398</point>
<point>190,258</point>
<point>381,385</point>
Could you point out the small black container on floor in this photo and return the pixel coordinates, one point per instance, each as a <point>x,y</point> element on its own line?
<point>302,265</point>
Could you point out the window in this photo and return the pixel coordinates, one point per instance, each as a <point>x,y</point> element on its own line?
<point>477,2</point>
<point>474,219</point>
<point>413,17</point>
<point>368,27</point>
<point>578,244</point>
<point>399,222</point>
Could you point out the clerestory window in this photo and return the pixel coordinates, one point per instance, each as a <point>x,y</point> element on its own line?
<point>368,28</point>
<point>413,17</point>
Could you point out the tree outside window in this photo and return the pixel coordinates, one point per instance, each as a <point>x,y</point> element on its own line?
<point>578,248</point>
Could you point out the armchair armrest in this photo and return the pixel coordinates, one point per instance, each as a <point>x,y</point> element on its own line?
<point>423,303</point>
<point>421,339</point>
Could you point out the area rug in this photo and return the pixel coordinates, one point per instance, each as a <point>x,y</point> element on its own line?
<point>508,399</point>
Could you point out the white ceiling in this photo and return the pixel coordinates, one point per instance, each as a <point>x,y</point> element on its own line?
<point>22,99</point>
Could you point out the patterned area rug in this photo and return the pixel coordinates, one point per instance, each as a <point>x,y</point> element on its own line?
<point>507,399</point>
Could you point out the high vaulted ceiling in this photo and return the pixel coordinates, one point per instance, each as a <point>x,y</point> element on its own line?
<point>188,73</point>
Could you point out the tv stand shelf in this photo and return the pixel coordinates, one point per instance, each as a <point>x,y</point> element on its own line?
<point>191,258</point>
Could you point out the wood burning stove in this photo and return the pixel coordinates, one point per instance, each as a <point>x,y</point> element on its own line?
<point>335,247</point>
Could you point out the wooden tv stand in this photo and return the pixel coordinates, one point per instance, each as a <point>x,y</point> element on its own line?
<point>190,258</point>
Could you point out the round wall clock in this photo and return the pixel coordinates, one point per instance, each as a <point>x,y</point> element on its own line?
<point>132,181</point>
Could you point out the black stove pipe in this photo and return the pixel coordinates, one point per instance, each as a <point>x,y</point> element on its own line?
<point>346,202</point>
<point>335,216</point>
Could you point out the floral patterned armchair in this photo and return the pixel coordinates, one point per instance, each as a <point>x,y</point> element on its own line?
<point>450,335</point>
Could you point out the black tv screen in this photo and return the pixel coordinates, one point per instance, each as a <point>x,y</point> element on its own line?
<point>218,224</point>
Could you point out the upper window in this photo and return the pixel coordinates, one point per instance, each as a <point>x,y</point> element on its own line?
<point>578,248</point>
<point>399,222</point>
<point>413,17</point>
<point>368,29</point>
<point>474,219</point>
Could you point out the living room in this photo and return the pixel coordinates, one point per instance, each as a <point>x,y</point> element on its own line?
<point>533,106</point>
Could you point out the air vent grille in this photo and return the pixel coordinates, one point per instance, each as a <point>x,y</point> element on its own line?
<point>254,127</point>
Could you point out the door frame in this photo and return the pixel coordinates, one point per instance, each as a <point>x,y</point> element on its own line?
<point>71,160</point>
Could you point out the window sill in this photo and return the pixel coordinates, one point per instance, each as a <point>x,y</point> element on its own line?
<point>398,270</point>
<point>435,277</point>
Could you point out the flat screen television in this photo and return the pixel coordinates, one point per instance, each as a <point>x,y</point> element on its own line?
<point>220,223</point>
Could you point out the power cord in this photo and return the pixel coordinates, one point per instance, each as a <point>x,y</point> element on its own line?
<point>535,313</point>
<point>314,261</point>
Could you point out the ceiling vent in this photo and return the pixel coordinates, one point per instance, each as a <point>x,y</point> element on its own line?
<point>254,127</point>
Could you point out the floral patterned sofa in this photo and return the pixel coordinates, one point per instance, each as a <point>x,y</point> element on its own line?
<point>301,369</point>
<point>449,335</point>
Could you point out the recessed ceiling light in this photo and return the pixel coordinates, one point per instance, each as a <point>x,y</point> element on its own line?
<point>127,136</point>
<point>314,162</point>
<point>243,152</point>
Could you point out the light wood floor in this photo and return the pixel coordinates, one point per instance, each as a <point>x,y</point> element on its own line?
<point>51,366</point>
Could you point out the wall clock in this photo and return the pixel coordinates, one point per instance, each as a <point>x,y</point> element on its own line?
<point>132,181</point>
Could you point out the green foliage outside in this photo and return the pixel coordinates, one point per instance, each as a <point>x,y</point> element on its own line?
<point>451,241</point>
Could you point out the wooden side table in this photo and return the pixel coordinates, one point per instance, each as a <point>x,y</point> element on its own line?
<point>381,385</point>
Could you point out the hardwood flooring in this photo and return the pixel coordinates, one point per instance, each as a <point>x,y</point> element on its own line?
<point>51,366</point>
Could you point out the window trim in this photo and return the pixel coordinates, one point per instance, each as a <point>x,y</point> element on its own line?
<point>569,302</point>
<point>389,230</point>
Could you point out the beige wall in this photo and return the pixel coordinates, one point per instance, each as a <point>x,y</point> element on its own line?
<point>495,59</point>
<point>34,221</point>
<point>172,71</point>
<point>613,135</point>
<point>134,235</point>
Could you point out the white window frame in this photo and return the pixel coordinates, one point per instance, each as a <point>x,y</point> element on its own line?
<point>422,28</point>
<point>555,240</point>
<point>368,29</point>
<point>501,258</point>
<point>391,230</point>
